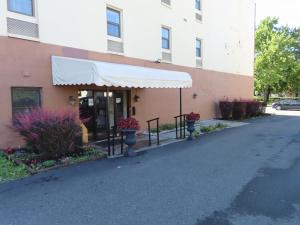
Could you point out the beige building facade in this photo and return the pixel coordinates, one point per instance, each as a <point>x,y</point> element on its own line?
<point>212,41</point>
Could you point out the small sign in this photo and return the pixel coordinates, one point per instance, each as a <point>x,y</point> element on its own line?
<point>91,102</point>
<point>118,100</point>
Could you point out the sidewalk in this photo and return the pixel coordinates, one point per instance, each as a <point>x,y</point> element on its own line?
<point>165,137</point>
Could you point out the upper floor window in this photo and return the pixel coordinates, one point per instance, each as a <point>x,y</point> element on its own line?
<point>25,98</point>
<point>113,22</point>
<point>21,6</point>
<point>198,48</point>
<point>165,36</point>
<point>198,4</point>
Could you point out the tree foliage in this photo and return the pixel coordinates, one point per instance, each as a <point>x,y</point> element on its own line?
<point>277,65</point>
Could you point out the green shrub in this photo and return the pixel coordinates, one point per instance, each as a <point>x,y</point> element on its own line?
<point>49,163</point>
<point>10,171</point>
<point>211,128</point>
<point>221,126</point>
<point>207,129</point>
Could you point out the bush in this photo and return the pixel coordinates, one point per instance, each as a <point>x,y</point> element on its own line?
<point>226,109</point>
<point>49,163</point>
<point>48,133</point>
<point>254,108</point>
<point>239,109</point>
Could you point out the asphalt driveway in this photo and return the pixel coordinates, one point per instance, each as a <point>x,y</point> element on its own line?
<point>240,176</point>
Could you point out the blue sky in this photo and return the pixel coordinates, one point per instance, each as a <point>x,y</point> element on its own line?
<point>288,11</point>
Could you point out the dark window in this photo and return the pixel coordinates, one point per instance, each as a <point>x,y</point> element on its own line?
<point>198,48</point>
<point>113,22</point>
<point>25,98</point>
<point>165,35</point>
<point>198,4</point>
<point>21,6</point>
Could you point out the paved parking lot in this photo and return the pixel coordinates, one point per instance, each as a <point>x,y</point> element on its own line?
<point>241,176</point>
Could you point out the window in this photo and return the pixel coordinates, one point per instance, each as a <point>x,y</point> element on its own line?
<point>113,22</point>
<point>21,6</point>
<point>165,36</point>
<point>198,48</point>
<point>198,4</point>
<point>25,98</point>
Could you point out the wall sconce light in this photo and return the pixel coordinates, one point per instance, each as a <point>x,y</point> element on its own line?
<point>72,100</point>
<point>195,96</point>
<point>110,94</point>
<point>137,98</point>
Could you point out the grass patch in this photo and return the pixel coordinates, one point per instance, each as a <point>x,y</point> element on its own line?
<point>163,127</point>
<point>218,126</point>
<point>9,171</point>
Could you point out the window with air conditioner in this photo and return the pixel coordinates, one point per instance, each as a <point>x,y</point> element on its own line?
<point>114,30</point>
<point>166,44</point>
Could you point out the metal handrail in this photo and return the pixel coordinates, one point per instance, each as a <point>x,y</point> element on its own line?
<point>111,151</point>
<point>157,130</point>
<point>182,126</point>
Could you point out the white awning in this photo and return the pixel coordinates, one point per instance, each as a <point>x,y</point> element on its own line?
<point>71,71</point>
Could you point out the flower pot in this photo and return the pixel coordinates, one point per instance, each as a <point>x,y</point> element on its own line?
<point>190,128</point>
<point>130,140</point>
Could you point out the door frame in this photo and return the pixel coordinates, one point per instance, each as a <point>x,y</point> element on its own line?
<point>108,127</point>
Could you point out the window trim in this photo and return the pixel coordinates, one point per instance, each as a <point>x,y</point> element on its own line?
<point>33,13</point>
<point>169,40</point>
<point>39,89</point>
<point>111,8</point>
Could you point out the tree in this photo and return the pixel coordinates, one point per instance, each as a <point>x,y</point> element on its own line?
<point>277,61</point>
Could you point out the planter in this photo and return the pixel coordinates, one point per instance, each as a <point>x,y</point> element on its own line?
<point>190,128</point>
<point>130,140</point>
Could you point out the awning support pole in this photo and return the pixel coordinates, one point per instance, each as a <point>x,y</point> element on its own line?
<point>107,111</point>
<point>180,102</point>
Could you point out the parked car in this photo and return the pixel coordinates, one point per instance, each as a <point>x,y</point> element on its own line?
<point>286,104</point>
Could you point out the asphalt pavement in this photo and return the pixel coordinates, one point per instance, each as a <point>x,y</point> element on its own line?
<point>247,175</point>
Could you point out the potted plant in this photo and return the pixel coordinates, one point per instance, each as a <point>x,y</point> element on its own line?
<point>129,126</point>
<point>190,121</point>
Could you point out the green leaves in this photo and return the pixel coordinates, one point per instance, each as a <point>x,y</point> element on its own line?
<point>277,57</point>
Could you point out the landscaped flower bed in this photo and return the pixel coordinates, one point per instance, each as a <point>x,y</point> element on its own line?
<point>35,163</point>
<point>53,139</point>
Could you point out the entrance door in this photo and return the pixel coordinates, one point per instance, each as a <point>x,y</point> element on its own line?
<point>100,115</point>
<point>100,112</point>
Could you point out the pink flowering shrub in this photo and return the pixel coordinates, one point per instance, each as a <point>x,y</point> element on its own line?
<point>193,117</point>
<point>239,109</point>
<point>226,108</point>
<point>253,108</point>
<point>128,123</point>
<point>49,133</point>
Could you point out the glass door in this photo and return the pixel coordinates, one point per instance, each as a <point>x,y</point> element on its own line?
<point>100,114</point>
<point>100,111</point>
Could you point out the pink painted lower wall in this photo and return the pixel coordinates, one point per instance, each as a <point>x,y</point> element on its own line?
<point>28,64</point>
